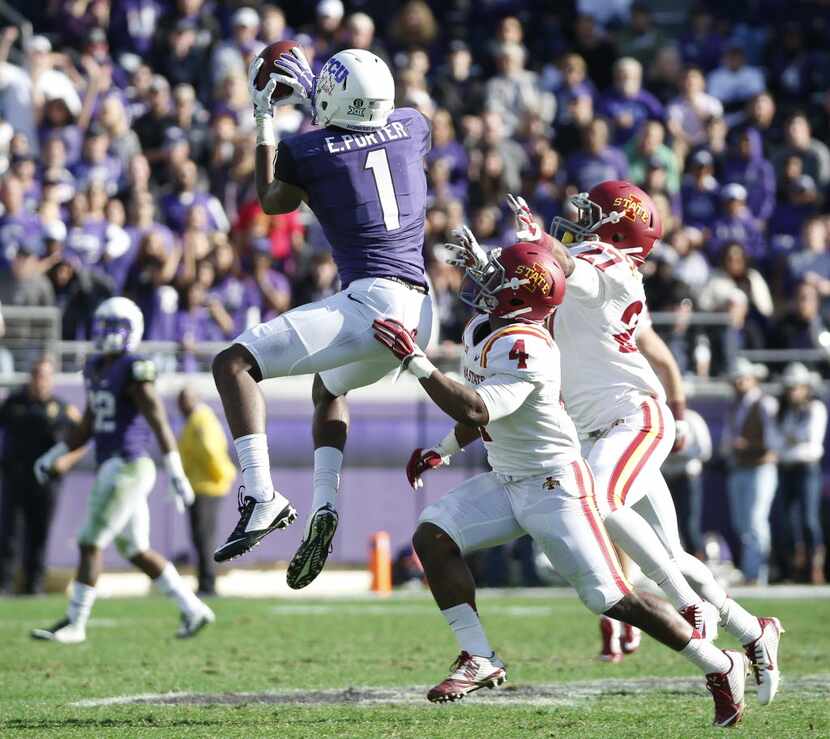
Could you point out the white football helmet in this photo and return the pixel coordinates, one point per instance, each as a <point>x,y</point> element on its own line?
<point>117,326</point>
<point>354,90</point>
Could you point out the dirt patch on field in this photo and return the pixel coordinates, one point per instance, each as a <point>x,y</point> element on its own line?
<point>544,694</point>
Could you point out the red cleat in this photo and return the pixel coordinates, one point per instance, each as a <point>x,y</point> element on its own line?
<point>727,689</point>
<point>611,630</point>
<point>469,673</point>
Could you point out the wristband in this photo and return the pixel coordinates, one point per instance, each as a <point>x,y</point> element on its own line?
<point>173,464</point>
<point>448,445</point>
<point>420,366</point>
<point>265,130</point>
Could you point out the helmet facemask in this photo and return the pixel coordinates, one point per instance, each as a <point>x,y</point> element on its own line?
<point>111,334</point>
<point>485,283</point>
<point>589,218</point>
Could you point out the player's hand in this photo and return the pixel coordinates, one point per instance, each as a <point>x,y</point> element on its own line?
<point>295,72</point>
<point>526,227</point>
<point>464,250</point>
<point>44,467</point>
<point>181,491</point>
<point>421,461</point>
<point>397,338</point>
<point>263,107</point>
<point>681,437</point>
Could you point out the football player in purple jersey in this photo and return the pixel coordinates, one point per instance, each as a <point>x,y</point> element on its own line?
<point>362,174</point>
<point>123,411</point>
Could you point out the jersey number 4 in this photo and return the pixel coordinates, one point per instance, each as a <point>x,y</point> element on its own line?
<point>630,318</point>
<point>518,352</point>
<point>378,162</point>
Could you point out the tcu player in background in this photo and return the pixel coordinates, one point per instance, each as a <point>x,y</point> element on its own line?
<point>618,404</point>
<point>122,412</point>
<point>362,173</point>
<point>539,483</point>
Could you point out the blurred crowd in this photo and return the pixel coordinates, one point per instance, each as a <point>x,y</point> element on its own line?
<point>127,143</point>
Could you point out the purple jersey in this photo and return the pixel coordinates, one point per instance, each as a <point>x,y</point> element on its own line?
<point>118,427</point>
<point>368,190</point>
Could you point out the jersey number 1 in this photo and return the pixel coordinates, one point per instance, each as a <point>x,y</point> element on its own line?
<point>378,162</point>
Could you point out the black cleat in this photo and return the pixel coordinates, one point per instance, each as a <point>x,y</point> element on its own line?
<point>256,521</point>
<point>312,553</point>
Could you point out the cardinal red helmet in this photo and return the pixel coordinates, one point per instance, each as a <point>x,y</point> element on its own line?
<point>522,282</point>
<point>616,212</point>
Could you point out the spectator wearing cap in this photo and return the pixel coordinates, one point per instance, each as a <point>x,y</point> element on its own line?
<point>17,225</point>
<point>514,91</point>
<point>233,55</point>
<point>747,166</point>
<point>800,424</point>
<point>736,224</point>
<point>597,160</point>
<point>458,87</point>
<point>801,326</point>
<point>699,192</point>
<point>627,105</point>
<point>639,38</point>
<point>688,114</point>
<point>185,195</point>
<point>648,149</point>
<point>748,445</point>
<point>152,126</point>
<point>735,82</point>
<point>799,142</point>
<point>798,201</point>
<point>185,62</point>
<point>96,163</point>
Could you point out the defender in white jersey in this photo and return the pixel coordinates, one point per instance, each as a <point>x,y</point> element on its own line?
<point>539,484</point>
<point>618,405</point>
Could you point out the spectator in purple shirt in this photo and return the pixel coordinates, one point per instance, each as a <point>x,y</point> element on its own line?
<point>17,225</point>
<point>274,287</point>
<point>203,318</point>
<point>747,166</point>
<point>736,225</point>
<point>96,164</point>
<point>87,226</point>
<point>702,45</point>
<point>148,284</point>
<point>446,146</point>
<point>574,83</point>
<point>628,105</point>
<point>699,199</point>
<point>238,295</point>
<point>596,161</point>
<point>798,201</point>
<point>134,24</point>
<point>175,205</point>
<point>143,221</point>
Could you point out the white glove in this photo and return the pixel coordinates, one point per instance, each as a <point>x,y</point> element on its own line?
<point>178,486</point>
<point>263,107</point>
<point>526,227</point>
<point>464,251</point>
<point>45,463</point>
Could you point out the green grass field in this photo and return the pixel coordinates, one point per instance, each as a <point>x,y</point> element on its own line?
<point>358,668</point>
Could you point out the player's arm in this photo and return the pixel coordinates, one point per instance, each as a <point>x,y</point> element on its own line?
<point>439,454</point>
<point>275,195</point>
<point>64,455</point>
<point>143,393</point>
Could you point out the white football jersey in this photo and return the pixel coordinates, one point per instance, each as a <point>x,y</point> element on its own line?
<point>515,370</point>
<point>604,376</point>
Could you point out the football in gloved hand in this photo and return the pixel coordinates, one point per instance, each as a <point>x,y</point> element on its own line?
<point>271,54</point>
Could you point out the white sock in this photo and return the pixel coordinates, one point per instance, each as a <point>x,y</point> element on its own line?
<point>255,463</point>
<point>706,656</point>
<point>171,584</point>
<point>469,632</point>
<point>739,622</point>
<point>81,599</point>
<point>632,533</point>
<point>327,464</point>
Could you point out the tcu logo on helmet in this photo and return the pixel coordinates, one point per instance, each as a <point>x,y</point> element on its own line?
<point>536,276</point>
<point>632,208</point>
<point>338,72</point>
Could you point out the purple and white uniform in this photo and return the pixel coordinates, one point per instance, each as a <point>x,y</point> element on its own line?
<point>369,192</point>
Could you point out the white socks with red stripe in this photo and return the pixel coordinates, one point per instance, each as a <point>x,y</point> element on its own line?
<point>327,463</point>
<point>171,584</point>
<point>81,600</point>
<point>739,622</point>
<point>632,533</point>
<point>255,463</point>
<point>469,632</point>
<point>706,656</point>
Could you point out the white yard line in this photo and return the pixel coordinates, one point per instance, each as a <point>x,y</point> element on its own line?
<point>817,686</point>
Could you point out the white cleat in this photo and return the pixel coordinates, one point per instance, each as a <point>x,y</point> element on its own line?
<point>63,632</point>
<point>469,673</point>
<point>727,689</point>
<point>763,656</point>
<point>193,623</point>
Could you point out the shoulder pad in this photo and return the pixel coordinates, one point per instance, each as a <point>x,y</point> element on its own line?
<point>521,348</point>
<point>143,370</point>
